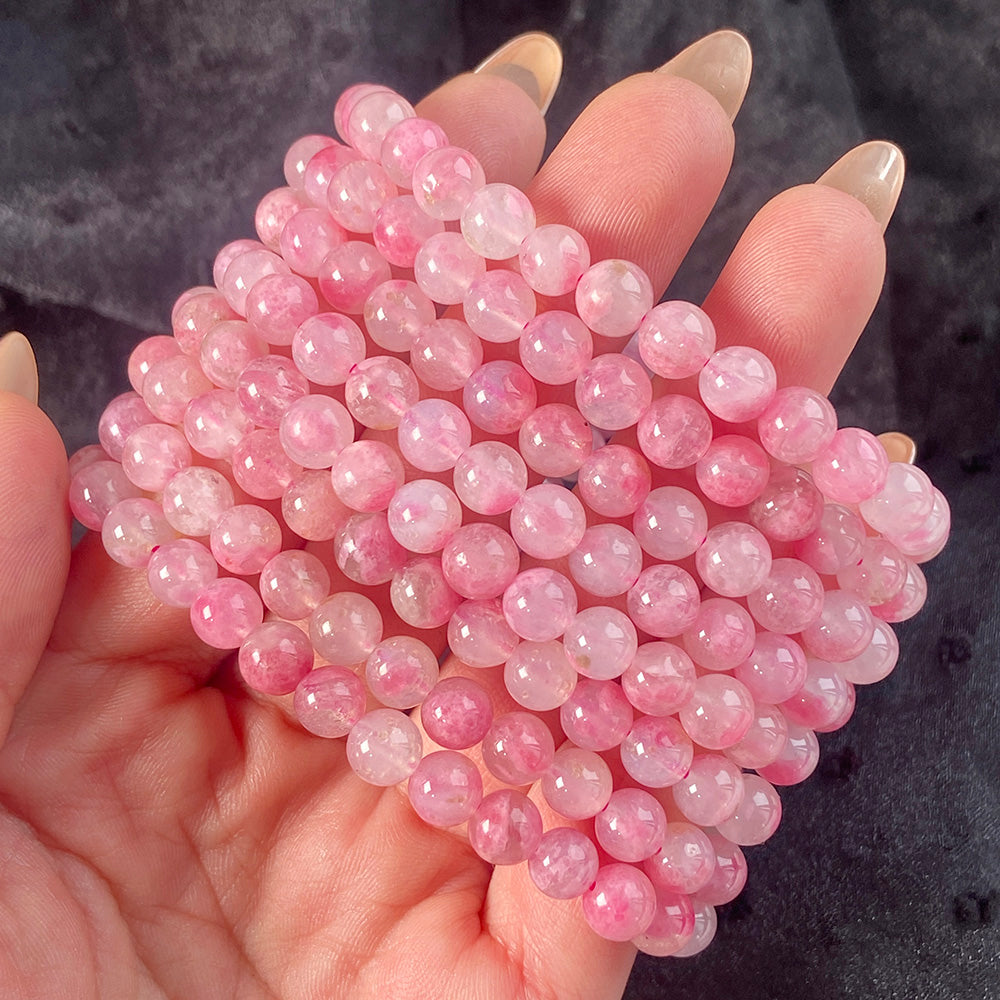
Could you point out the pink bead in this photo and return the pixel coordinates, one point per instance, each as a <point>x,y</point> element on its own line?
<point>177,570</point>
<point>671,928</point>
<point>379,391</point>
<point>548,521</point>
<point>877,660</point>
<point>578,785</point>
<point>729,876</point>
<point>345,628</point>
<point>261,467</point>
<point>433,434</point>
<point>764,740</point>
<point>632,825</point>
<point>123,415</point>
<point>423,514</point>
<point>843,630</point>
<point>775,669</point>
<point>614,481</point>
<point>721,636</point>
<point>903,504</point>
<point>835,544</point>
<point>356,193</point>
<point>478,634</point>
<point>401,671</point>
<point>329,701</point>
<point>660,678</point>
<point>420,595</point>
<point>797,425</point>
<point>273,211</point>
<point>225,612</point>
<point>245,271</point>
<point>366,551</point>
<point>311,508</point>
<point>719,713</point>
<point>456,713</point>
<point>676,339</point>
<point>734,559</point>
<point>292,583</point>
<point>307,238</point>
<point>214,424</point>
<point>498,305</point>
<point>384,747</point>
<point>908,601</point>
<point>506,828</point>
<point>612,296</point>
<point>370,119</point>
<point>565,863</point>
<point>400,229</point>
<point>596,716</point>
<point>711,791</point>
<point>87,455</point>
<point>299,154</point>
<point>496,220</point>
<point>685,861</point>
<point>664,601</point>
<point>926,541</point>
<point>227,349</point>
<point>620,904</point>
<point>444,181</point>
<point>656,752</point>
<point>613,391</point>
<point>405,143</point>
<point>267,387</point>
<point>539,676</point>
<point>395,312</point>
<point>852,467</point>
<point>552,259</point>
<point>733,471</point>
<point>757,815</point>
<point>347,101</point>
<point>737,383</point>
<point>244,538</point>
<point>607,562</point>
<point>195,498</point>
<point>193,320</point>
<point>499,396</point>
<point>350,273</point>
<point>789,600</point>
<point>96,488</point>
<point>228,254</point>
<point>671,523</point>
<point>490,477</point>
<point>132,529</point>
<point>445,267</point>
<point>479,560</point>
<point>555,347</point>
<point>445,353</point>
<point>789,508</point>
<point>321,169</point>
<point>797,760</point>
<point>555,440</point>
<point>821,699</point>
<point>170,385</point>
<point>366,475</point>
<point>314,430</point>
<point>674,432</point>
<point>445,789</point>
<point>275,657</point>
<point>600,642</point>
<point>278,304</point>
<point>518,748</point>
<point>326,347</point>
<point>539,604</point>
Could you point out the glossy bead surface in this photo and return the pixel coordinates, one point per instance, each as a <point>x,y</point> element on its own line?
<point>621,902</point>
<point>423,514</point>
<point>756,817</point>
<point>244,538</point>
<point>664,601</point>
<point>96,488</point>
<point>764,740</point>
<point>350,273</point>
<point>797,760</point>
<point>444,181</point>
<point>314,430</point>
<point>853,467</point>
<point>479,560</point>
<point>178,569</point>
<point>552,259</point>
<point>384,747</point>
<point>132,529</point>
<point>843,630</point>
<point>307,238</point>
<point>420,594</point>
<point>401,671</point>
<point>370,119</point>
<point>518,748</point>
<point>555,440</point>
<point>445,789</point>
<point>225,611</point>
<point>278,304</point>
<point>432,435</point>
<point>227,349</point>
<point>547,521</point>
<point>685,861</point>
<point>877,660</point>
<point>796,425</point>
<point>327,347</point>
<point>674,432</point>
<point>719,712</point>
<point>729,876</point>
<point>292,583</point>
<point>597,715</point>
<point>445,267</point>
<point>613,391</point>
<point>366,475</point>
<point>539,676</point>
<point>670,523</point>
<point>631,826</point>
<point>555,347</point>
<point>366,551</point>
<point>345,628</point>
<point>260,465</point>
<point>721,635</point>
<point>490,477</point>
<point>733,471</point>
<point>405,143</point>
<point>496,220</point>
<point>676,339</point>
<point>607,562</point>
<point>275,657</point>
<point>737,383</point>
<point>835,543</point>
<point>445,353</point>
<point>195,498</point>
<point>612,296</point>
<point>395,312</point>
<point>671,928</point>
<point>456,713</point>
<point>311,508</point>
<point>657,752</point>
<point>497,305</point>
<point>775,669</point>
<point>267,387</point>
<point>214,424</point>
<point>614,481</point>
<point>356,193</point>
<point>565,863</point>
<point>478,634</point>
<point>578,784</point>
<point>171,384</point>
<point>499,396</point>
<point>789,507</point>
<point>660,679</point>
<point>400,229</point>
<point>123,415</point>
<point>711,790</point>
<point>734,559</point>
<point>539,604</point>
<point>329,701</point>
<point>789,600</point>
<point>506,828</point>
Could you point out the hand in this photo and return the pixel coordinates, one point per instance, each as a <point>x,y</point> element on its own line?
<point>164,833</point>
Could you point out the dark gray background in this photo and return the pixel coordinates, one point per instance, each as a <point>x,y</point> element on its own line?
<point>136,138</point>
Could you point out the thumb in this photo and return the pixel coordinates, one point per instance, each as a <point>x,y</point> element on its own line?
<point>34,524</point>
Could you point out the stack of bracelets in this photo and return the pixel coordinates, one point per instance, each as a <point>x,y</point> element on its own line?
<point>697,598</point>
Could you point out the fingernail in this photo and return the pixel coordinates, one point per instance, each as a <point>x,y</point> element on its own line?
<point>873,173</point>
<point>18,372</point>
<point>532,61</point>
<point>899,447</point>
<point>720,63</point>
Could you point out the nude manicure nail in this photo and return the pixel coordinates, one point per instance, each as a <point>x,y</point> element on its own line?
<point>18,372</point>
<point>873,173</point>
<point>720,63</point>
<point>900,447</point>
<point>532,61</point>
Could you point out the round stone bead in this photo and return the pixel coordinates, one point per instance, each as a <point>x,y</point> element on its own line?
<point>721,636</point>
<point>445,789</point>
<point>822,698</point>
<point>908,601</point>
<point>405,143</point>
<point>347,101</point>
<point>797,760</point>
<point>123,415</point>
<point>356,193</point>
<point>311,508</point>
<point>314,430</point>
<point>432,435</point>
<point>711,790</point>
<point>329,701</point>
<point>671,523</point>
<point>260,465</point>
<point>719,713</point>
<point>756,817</point>
<point>676,339</point>
<point>225,611</point>
<point>456,713</point>
<point>843,630</point>
<point>674,432</point>
<point>555,440</point>
<point>245,271</point>
<point>775,669</point>
<point>547,521</point>
<point>228,254</point>
<point>444,181</point>
<point>632,825</point>
<point>730,873</point>
<point>292,583</point>
<point>401,229</point>
<point>764,740</point>
<point>664,601</point>
<point>384,747</point>
<point>177,570</point>
<point>327,347</point>
<point>518,748</point>
<point>506,828</point>
<point>552,259</point>
<point>879,573</point>
<point>657,752</point>
<point>478,634</point>
<point>614,481</point>
<point>875,662</point>
<point>267,387</point>
<point>706,924</point>
<point>366,551</point>
<point>613,391</point>
<point>214,424</point>
<point>89,454</point>
<point>401,671</point>
<point>170,385</point>
<point>733,471</point>
<point>244,538</point>
<point>307,238</point>
<point>497,305</point>
<point>660,678</point>
<point>928,539</point>
<point>600,642</point>
<point>835,543</point>
<point>607,562</point>
<point>789,600</point>
<point>350,273</point>
<point>737,383</point>
<point>345,628</point>
<point>564,864</point>
<point>445,353</point>
<point>671,928</point>
<point>496,220</point>
<point>423,514</point>
<point>366,475</point>
<point>299,154</point>
<point>499,396</point>
<point>490,477</point>
<point>789,507</point>
<point>796,425</point>
<point>369,120</point>
<point>555,347</point>
<point>320,171</point>
<point>420,595</point>
<point>685,861</point>
<point>612,296</point>
<point>227,349</point>
<point>278,304</point>
<point>578,785</point>
<point>734,559</point>
<point>479,561</point>
<point>539,676</point>
<point>853,467</point>
<point>395,312</point>
<point>96,488</point>
<point>195,499</point>
<point>133,528</point>
<point>275,657</point>
<point>597,715</point>
<point>539,604</point>
<point>620,904</point>
<point>191,321</point>
<point>445,267</point>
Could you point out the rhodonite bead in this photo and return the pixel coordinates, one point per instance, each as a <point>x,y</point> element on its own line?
<point>292,583</point>
<point>597,715</point>
<point>721,635</point>
<point>620,904</point>
<point>614,480</point>
<point>733,471</point>
<point>273,211</point>
<point>395,312</point>
<point>456,713</point>
<point>326,348</point>
<point>613,391</point>
<point>539,676</point>
<point>775,669</point>
<point>719,713</point>
<point>764,740</point>
<point>835,543</point>
<point>506,828</point>
<point>314,430</point>
<point>821,699</point>
<point>274,657</point>
<point>671,928</point>
<point>445,267</point>
<point>445,789</point>
<point>299,154</point>
<point>852,467</point>
<point>685,861</point>
<point>734,559</point>
<point>267,387</point>
<point>499,396</point>
<point>489,477</point>
<point>400,229</point>
<point>178,569</point>
<point>365,550</point>
<point>711,790</point>
<point>664,601</point>
<point>612,296</point>
<point>479,560</point>
<point>444,181</point>
<point>214,424</point>
<point>445,353</point>
<point>608,560</point>
<point>170,385</point>
<point>96,488</point>
<point>789,507</point>
<point>225,611</point>
<point>245,271</point>
<point>789,600</point>
<point>756,817</point>
<point>676,339</point>
<point>261,467</point>
<point>478,634</point>
<point>133,528</point>
<point>420,595</point>
<point>877,660</point>
<point>539,604</point>
<point>384,747</point>
<point>185,297</point>
<point>671,523</point>
<point>600,642</point>
<point>227,349</point>
<point>195,498</point>
<point>496,220</point>
<point>796,425</point>
<point>843,630</point>
<point>229,253</point>
<point>355,194</point>
<point>370,119</point>
<point>552,258</point>
<point>564,864</point>
<point>729,875</point>
<point>631,826</point>
<point>321,168</point>
<point>578,785</point>
<point>547,521</point>
<point>423,514</point>
<point>244,538</point>
<point>555,440</point>
<point>345,628</point>
<point>405,143</point>
<point>660,678</point>
<point>366,475</point>
<point>518,748</point>
<point>346,103</point>
<point>555,347</point>
<point>278,304</point>
<point>87,455</point>
<point>737,383</point>
<point>432,435</point>
<point>674,432</point>
<point>400,671</point>
<point>908,601</point>
<point>878,574</point>
<point>497,305</point>
<point>926,541</point>
<point>350,273</point>
<point>123,415</point>
<point>329,701</point>
<point>706,924</point>
<point>797,760</point>
<point>191,322</point>
<point>307,238</point>
<point>311,508</point>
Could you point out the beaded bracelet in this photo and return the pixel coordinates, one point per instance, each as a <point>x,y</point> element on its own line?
<point>566,556</point>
